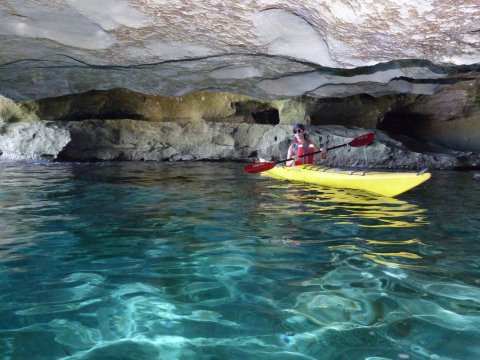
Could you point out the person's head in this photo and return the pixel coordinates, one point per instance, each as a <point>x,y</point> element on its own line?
<point>299,131</point>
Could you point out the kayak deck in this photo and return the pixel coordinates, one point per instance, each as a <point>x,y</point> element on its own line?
<point>382,183</point>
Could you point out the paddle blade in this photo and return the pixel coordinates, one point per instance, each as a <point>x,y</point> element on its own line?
<point>259,167</point>
<point>362,140</point>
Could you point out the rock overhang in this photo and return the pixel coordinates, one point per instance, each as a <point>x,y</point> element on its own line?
<point>264,49</point>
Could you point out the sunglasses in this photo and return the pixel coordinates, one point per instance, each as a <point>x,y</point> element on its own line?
<point>297,131</point>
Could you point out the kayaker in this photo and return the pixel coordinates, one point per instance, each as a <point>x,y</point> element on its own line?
<point>302,145</point>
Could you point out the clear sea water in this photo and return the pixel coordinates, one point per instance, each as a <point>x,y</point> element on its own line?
<point>202,261</point>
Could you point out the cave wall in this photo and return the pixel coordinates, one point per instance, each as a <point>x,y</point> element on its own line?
<point>127,104</point>
<point>236,128</point>
<point>449,118</point>
<point>460,134</point>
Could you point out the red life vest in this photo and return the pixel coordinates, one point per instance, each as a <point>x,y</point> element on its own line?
<point>302,149</point>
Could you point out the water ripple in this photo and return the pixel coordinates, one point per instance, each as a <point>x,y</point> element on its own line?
<point>201,261</point>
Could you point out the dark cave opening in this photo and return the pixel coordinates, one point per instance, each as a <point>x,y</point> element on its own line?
<point>399,123</point>
<point>257,112</point>
<point>268,117</point>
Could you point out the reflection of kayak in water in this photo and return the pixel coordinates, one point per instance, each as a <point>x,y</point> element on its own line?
<point>344,206</point>
<point>343,220</point>
<point>378,182</point>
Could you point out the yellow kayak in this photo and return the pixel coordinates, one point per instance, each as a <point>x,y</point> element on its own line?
<point>382,183</point>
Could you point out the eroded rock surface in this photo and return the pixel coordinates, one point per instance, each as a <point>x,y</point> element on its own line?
<point>265,49</point>
<point>126,139</point>
<point>32,140</point>
<point>192,76</point>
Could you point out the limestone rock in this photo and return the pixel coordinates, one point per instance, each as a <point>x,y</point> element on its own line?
<point>408,68</point>
<point>173,141</point>
<point>384,153</point>
<point>449,118</point>
<point>22,136</point>
<point>127,139</point>
<point>167,141</point>
<point>32,140</point>
<point>462,134</point>
<point>124,103</point>
<point>265,49</point>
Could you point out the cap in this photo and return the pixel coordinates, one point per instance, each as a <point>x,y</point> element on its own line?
<point>299,126</point>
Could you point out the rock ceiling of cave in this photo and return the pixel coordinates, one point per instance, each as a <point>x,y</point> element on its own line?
<point>262,48</point>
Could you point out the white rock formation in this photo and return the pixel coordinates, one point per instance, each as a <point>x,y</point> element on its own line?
<point>32,140</point>
<point>262,48</point>
<point>266,49</point>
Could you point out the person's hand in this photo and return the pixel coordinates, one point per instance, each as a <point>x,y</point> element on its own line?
<point>323,153</point>
<point>294,160</point>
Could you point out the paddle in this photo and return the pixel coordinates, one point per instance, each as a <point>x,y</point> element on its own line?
<point>257,167</point>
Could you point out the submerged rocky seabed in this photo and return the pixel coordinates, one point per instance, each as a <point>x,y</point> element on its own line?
<point>149,260</point>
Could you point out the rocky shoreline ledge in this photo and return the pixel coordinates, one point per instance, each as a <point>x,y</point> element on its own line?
<point>135,140</point>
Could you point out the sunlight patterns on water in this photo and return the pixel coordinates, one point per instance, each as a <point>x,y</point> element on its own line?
<point>202,261</point>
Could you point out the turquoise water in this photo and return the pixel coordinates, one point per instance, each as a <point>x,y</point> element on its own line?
<point>201,261</point>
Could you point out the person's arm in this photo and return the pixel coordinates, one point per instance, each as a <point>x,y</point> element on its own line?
<point>323,152</point>
<point>290,155</point>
